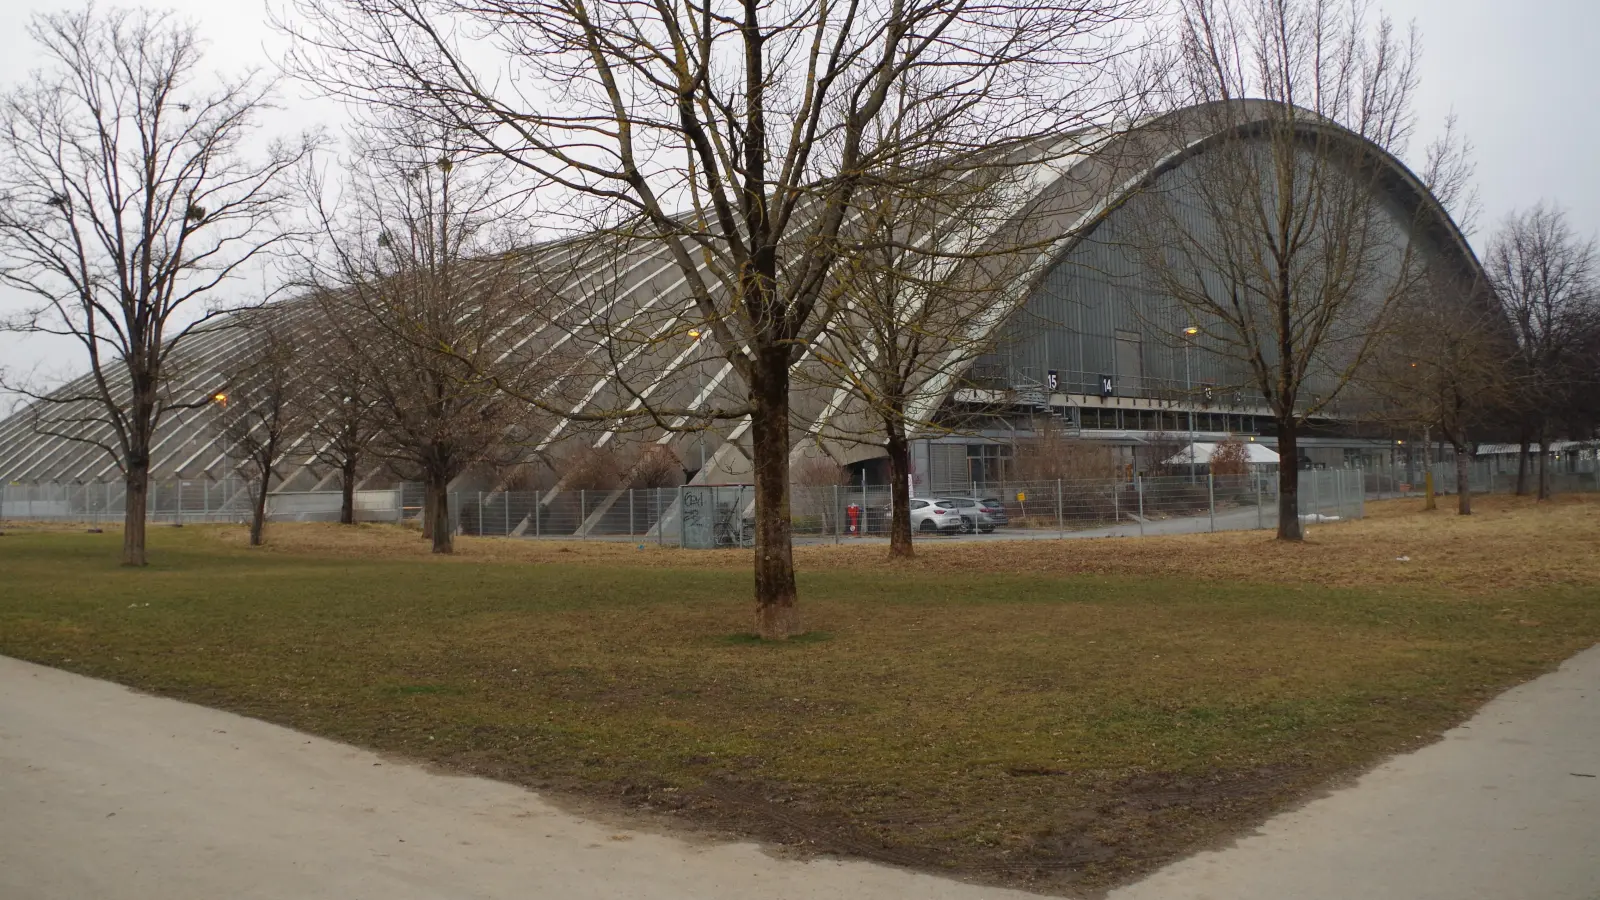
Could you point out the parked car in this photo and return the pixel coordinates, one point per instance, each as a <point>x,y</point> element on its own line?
<point>995,509</point>
<point>934,516</point>
<point>982,512</point>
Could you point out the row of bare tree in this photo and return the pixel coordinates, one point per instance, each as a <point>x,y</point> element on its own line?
<point>1512,357</point>
<point>826,181</point>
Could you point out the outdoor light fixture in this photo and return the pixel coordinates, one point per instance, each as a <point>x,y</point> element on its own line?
<point>694,335</point>
<point>1188,390</point>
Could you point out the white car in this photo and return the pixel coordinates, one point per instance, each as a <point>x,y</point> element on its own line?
<point>935,516</point>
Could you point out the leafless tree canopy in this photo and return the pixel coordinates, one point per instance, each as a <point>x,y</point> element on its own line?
<point>912,306</point>
<point>1053,455</point>
<point>1546,279</point>
<point>1286,238</point>
<point>421,287</point>
<point>342,431</point>
<point>127,202</point>
<point>736,135</point>
<point>265,404</point>
<point>1445,365</point>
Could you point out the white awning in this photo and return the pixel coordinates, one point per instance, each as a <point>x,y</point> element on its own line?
<point>1255,455</point>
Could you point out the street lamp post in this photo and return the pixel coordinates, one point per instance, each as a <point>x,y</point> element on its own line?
<point>695,334</point>
<point>1188,390</point>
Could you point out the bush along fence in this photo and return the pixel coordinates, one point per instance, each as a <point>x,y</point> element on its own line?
<point>722,515</point>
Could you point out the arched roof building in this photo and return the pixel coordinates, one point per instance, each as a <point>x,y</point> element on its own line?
<point>1078,336</point>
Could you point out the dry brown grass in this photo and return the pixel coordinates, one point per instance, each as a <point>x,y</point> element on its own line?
<point>1043,713</point>
<point>1510,543</point>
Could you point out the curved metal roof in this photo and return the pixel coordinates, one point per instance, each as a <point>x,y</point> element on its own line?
<point>621,309</point>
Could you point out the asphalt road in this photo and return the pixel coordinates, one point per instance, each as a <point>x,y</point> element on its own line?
<point>108,793</point>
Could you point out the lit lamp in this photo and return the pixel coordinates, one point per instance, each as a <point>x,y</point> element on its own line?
<point>1188,389</point>
<point>694,335</point>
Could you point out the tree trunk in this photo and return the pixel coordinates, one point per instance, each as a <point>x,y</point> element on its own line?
<point>899,491</point>
<point>1463,481</point>
<point>347,494</point>
<point>437,516</point>
<point>1289,482</point>
<point>428,507</point>
<point>137,483</point>
<point>1544,467</point>
<point>258,516</point>
<point>777,617</point>
<point>1522,467</point>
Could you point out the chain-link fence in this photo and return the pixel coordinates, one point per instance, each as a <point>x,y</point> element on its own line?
<point>1568,475</point>
<point>723,515</point>
<point>182,501</point>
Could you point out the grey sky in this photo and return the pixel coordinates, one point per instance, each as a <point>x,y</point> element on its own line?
<point>1519,78</point>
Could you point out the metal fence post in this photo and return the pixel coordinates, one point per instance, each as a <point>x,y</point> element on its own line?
<point>1211,495</point>
<point>661,537</point>
<point>682,533</point>
<point>1061,526</point>
<point>536,510</point>
<point>1138,483</point>
<point>1261,514</point>
<point>1116,501</point>
<point>862,530</point>
<point>178,513</point>
<point>838,535</point>
<point>630,512</point>
<point>583,513</point>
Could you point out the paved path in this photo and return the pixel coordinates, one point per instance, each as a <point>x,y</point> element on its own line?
<point>1504,807</point>
<point>111,794</point>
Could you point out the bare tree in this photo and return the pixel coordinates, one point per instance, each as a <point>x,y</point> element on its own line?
<point>346,424</point>
<point>1231,458</point>
<point>1544,277</point>
<point>1279,239</point>
<point>126,202</point>
<point>911,308</point>
<point>1052,454</point>
<point>263,407</point>
<point>733,136</point>
<point>421,285</point>
<point>1445,365</point>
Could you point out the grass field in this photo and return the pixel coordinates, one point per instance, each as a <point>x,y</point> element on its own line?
<point>1058,714</point>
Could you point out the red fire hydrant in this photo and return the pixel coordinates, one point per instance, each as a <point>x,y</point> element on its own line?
<point>853,513</point>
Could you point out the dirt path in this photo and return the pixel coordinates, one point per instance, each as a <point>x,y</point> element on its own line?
<point>112,794</point>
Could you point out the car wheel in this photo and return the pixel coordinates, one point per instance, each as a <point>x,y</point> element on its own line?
<point>989,530</point>
<point>966,526</point>
<point>928,527</point>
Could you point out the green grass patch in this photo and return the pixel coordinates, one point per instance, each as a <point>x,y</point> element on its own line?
<point>1061,732</point>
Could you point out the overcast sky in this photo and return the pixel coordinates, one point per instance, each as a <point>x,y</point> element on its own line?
<point>1518,76</point>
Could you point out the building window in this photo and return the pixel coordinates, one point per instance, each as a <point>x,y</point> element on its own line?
<point>988,464</point>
